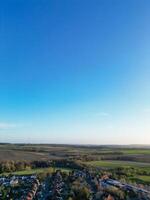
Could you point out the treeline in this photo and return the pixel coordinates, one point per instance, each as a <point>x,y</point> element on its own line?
<point>129,173</point>
<point>12,166</point>
<point>141,158</point>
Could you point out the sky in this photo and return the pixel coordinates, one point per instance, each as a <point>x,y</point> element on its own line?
<point>75,71</point>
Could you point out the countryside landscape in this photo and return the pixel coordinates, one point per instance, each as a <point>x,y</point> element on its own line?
<point>51,171</point>
<point>74,99</point>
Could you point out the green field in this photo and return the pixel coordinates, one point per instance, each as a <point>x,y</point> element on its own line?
<point>136,151</point>
<point>32,152</point>
<point>115,164</point>
<point>36,171</point>
<point>140,179</point>
<point>144,178</point>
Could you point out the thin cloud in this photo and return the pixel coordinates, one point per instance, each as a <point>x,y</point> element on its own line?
<point>147,110</point>
<point>103,114</point>
<point>5,125</point>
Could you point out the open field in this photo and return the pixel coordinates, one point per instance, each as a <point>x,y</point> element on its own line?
<point>116,164</point>
<point>145,178</point>
<point>31,152</point>
<point>137,167</point>
<point>141,179</point>
<point>36,171</point>
<point>136,151</point>
<point>99,156</point>
<point>21,155</point>
<point>122,162</point>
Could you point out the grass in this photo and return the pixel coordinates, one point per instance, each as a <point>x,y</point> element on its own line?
<point>136,151</point>
<point>36,171</point>
<point>115,164</point>
<point>144,178</point>
<point>141,179</point>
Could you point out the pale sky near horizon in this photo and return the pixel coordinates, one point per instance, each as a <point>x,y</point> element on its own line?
<point>75,71</point>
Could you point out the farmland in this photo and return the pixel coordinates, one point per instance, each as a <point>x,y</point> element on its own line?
<point>104,157</point>
<point>87,153</point>
<point>35,171</point>
<point>115,164</point>
<point>39,164</point>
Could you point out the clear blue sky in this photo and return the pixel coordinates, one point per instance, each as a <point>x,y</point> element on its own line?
<point>75,71</point>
